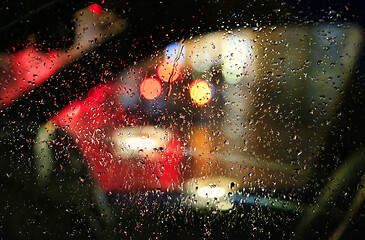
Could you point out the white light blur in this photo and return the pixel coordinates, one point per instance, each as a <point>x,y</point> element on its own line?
<point>205,52</point>
<point>237,58</point>
<point>140,143</point>
<point>211,192</point>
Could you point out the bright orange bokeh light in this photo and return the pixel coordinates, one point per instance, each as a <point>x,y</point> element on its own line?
<point>150,88</point>
<point>166,69</point>
<point>201,140</point>
<point>200,92</point>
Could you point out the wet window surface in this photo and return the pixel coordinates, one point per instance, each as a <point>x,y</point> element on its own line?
<point>182,119</point>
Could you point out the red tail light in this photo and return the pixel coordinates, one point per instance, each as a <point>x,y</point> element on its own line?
<point>100,127</point>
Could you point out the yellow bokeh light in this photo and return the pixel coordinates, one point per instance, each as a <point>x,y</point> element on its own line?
<point>200,92</point>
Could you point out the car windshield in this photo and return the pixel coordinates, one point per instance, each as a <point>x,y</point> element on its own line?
<point>180,119</point>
